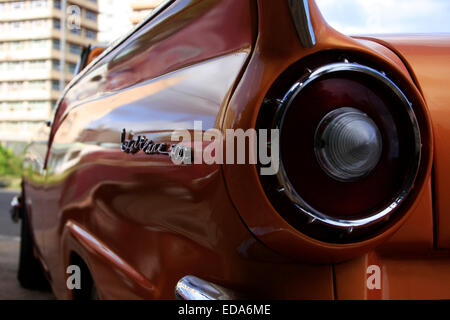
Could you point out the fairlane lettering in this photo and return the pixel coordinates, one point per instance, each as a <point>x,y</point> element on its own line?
<point>179,154</point>
<point>141,144</point>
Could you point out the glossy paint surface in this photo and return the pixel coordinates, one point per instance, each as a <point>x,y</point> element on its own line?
<point>273,55</point>
<point>401,277</point>
<point>429,60</point>
<point>412,236</point>
<point>138,221</point>
<point>141,223</point>
<point>138,208</point>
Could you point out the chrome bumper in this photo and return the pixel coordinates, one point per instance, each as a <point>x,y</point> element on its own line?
<point>193,288</point>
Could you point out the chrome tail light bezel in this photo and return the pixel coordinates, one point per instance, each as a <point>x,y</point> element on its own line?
<point>286,185</point>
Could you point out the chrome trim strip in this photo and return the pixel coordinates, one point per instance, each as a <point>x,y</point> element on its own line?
<point>193,288</point>
<point>283,179</point>
<point>302,21</point>
<point>110,48</point>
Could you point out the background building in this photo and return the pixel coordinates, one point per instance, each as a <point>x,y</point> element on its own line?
<point>114,19</point>
<point>141,9</point>
<point>30,52</point>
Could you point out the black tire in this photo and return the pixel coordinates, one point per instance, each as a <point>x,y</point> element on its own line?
<point>29,273</point>
<point>88,289</point>
<point>94,293</point>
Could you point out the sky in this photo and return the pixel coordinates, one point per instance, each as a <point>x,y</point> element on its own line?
<point>387,16</point>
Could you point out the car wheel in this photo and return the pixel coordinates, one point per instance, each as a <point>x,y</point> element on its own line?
<point>30,273</point>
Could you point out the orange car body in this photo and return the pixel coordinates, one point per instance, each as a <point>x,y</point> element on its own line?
<point>141,223</point>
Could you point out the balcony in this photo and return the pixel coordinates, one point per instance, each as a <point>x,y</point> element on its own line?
<point>29,94</point>
<point>25,14</point>
<point>19,131</point>
<point>41,114</point>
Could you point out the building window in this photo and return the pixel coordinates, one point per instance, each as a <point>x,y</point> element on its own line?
<point>15,105</point>
<point>72,67</point>
<point>55,64</point>
<point>57,4</point>
<point>15,65</point>
<point>90,34</point>
<point>76,31</point>
<point>75,49</point>
<point>17,45</point>
<point>38,3</point>
<point>18,4</point>
<point>15,85</point>
<point>17,25</point>
<point>38,44</point>
<point>36,85</point>
<point>37,103</point>
<point>36,64</point>
<point>91,15</point>
<point>55,85</point>
<point>56,44</point>
<point>56,24</point>
<point>39,24</point>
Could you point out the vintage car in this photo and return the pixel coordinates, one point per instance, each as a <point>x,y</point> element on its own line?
<point>356,208</point>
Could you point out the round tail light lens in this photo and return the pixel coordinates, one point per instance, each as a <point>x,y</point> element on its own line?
<point>348,144</point>
<point>350,151</point>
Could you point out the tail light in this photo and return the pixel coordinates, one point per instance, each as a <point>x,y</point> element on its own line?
<point>350,151</point>
<point>348,144</point>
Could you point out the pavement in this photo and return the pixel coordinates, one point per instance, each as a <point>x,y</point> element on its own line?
<point>10,288</point>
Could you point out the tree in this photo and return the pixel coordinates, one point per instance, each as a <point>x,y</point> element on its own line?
<point>10,164</point>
